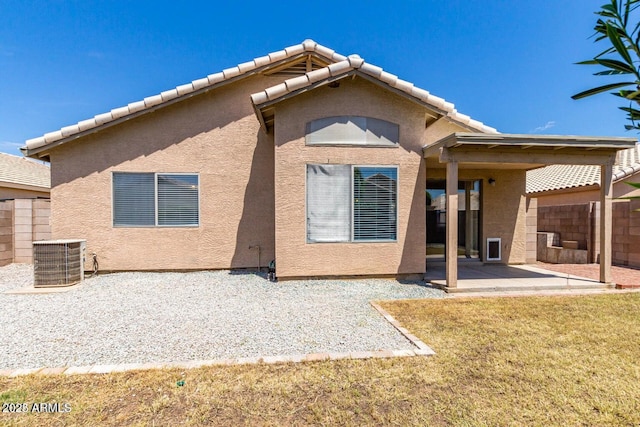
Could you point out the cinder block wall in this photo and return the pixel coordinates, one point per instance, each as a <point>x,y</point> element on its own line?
<point>6,232</point>
<point>626,233</point>
<point>21,222</point>
<point>572,222</point>
<point>41,219</point>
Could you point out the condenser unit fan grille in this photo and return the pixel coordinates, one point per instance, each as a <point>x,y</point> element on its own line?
<point>58,262</point>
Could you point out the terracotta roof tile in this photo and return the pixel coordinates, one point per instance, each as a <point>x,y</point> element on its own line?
<point>559,177</point>
<point>215,78</point>
<point>341,63</point>
<point>136,106</point>
<point>100,119</point>
<point>247,66</point>
<point>204,82</point>
<point>296,83</point>
<point>354,62</point>
<point>168,95</point>
<point>18,170</point>
<point>294,50</point>
<point>86,124</point>
<point>150,101</point>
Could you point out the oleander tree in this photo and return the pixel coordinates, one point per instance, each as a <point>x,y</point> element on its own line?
<point>616,27</point>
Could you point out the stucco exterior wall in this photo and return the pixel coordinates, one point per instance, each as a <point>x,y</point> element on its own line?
<point>504,212</point>
<point>295,257</point>
<point>215,135</point>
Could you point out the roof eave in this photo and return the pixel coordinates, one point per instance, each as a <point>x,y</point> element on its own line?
<point>19,186</point>
<point>434,111</point>
<point>528,141</point>
<point>175,97</point>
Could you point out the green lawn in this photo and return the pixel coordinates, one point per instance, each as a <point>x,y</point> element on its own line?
<point>501,361</point>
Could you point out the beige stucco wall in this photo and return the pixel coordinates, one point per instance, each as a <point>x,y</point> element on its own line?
<point>216,135</point>
<point>295,257</point>
<point>503,208</point>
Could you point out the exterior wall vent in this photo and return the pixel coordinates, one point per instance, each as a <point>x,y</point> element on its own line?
<point>58,262</point>
<point>494,249</point>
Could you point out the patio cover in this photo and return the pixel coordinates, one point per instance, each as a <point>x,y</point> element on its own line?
<point>515,151</point>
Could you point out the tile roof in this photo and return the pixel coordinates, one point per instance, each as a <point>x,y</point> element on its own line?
<point>18,170</point>
<point>308,46</point>
<point>558,177</point>
<point>355,63</point>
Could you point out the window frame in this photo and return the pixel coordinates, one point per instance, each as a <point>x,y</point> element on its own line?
<point>329,143</point>
<point>155,200</point>
<point>353,240</point>
<point>351,195</point>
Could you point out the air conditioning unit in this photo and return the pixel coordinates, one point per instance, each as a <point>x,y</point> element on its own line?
<point>58,262</point>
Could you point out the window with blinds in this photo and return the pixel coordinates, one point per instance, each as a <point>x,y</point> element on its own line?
<point>348,203</point>
<point>374,203</point>
<point>149,200</point>
<point>352,130</point>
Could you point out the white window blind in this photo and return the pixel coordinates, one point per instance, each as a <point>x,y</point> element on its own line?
<point>351,203</point>
<point>148,199</point>
<point>352,130</point>
<point>328,203</point>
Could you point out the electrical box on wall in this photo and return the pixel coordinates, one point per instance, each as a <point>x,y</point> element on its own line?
<point>494,249</point>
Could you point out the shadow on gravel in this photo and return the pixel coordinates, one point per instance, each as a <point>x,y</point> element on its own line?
<point>248,273</point>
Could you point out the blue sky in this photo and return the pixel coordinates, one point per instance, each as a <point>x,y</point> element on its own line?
<point>507,63</point>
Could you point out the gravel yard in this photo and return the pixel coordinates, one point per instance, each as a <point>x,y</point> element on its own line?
<point>176,317</point>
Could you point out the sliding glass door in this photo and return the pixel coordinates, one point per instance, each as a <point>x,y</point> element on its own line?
<point>469,202</point>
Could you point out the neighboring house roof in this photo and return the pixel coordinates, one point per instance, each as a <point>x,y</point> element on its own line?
<point>353,64</point>
<point>336,64</point>
<point>18,172</point>
<point>560,177</point>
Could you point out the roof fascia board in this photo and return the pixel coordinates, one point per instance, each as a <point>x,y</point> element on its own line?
<point>564,190</point>
<point>491,141</point>
<point>542,140</point>
<point>9,184</point>
<point>548,157</point>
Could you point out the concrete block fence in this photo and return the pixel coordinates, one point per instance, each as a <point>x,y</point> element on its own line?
<point>581,222</point>
<point>21,222</point>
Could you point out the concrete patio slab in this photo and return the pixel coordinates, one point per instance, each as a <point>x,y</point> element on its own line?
<point>479,277</point>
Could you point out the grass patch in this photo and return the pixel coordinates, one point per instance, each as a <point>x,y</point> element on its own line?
<point>502,361</point>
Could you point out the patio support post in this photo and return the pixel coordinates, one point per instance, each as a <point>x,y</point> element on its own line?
<point>452,225</point>
<point>606,221</point>
<point>468,235</point>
